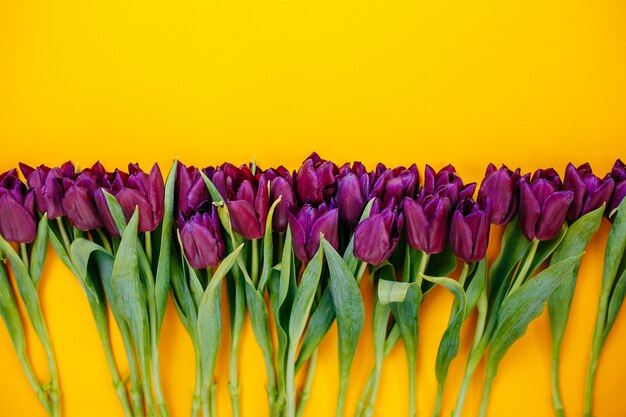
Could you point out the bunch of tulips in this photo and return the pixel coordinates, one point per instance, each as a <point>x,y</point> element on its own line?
<point>292,249</point>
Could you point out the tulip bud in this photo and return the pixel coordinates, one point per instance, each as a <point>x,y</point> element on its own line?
<point>376,237</point>
<point>427,222</point>
<point>590,192</point>
<point>47,185</point>
<point>201,236</point>
<point>447,182</point>
<point>353,192</point>
<point>79,198</point>
<point>17,209</point>
<point>618,173</point>
<point>135,189</point>
<point>307,224</point>
<point>543,206</point>
<point>501,187</point>
<point>315,181</point>
<point>281,184</point>
<point>246,197</point>
<point>392,185</point>
<point>191,190</point>
<point>469,230</point>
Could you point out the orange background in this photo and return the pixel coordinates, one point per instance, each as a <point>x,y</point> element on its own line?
<point>532,84</point>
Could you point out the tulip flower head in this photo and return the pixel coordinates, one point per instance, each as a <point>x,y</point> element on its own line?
<point>315,181</point>
<point>201,236</point>
<point>79,202</point>
<point>281,184</point>
<point>618,173</point>
<point>501,188</point>
<point>376,237</point>
<point>469,230</point>
<point>427,222</point>
<point>447,182</point>
<point>47,183</point>
<point>590,192</point>
<point>307,223</point>
<point>17,209</point>
<point>543,205</point>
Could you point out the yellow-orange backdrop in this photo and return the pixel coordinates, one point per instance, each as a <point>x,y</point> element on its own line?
<point>532,84</point>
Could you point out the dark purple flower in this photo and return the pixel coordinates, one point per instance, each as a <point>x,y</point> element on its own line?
<point>47,184</point>
<point>376,237</point>
<point>590,192</point>
<point>501,188</point>
<point>315,181</point>
<point>469,230</point>
<point>447,182</point>
<point>427,222</point>
<point>543,206</point>
<point>201,236</point>
<point>191,190</point>
<point>307,223</point>
<point>281,184</point>
<point>353,192</point>
<point>78,200</point>
<point>246,196</point>
<point>392,185</point>
<point>17,209</point>
<point>135,189</point>
<point>618,173</point>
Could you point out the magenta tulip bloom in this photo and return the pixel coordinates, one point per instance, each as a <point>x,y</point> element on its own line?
<point>376,237</point>
<point>47,184</point>
<point>501,188</point>
<point>469,230</point>
<point>392,185</point>
<point>79,198</point>
<point>281,185</point>
<point>447,182</point>
<point>590,192</point>
<point>353,192</point>
<point>17,209</point>
<point>247,198</point>
<point>427,222</point>
<point>201,236</point>
<point>191,191</point>
<point>315,181</point>
<point>618,173</point>
<point>543,206</point>
<point>307,223</point>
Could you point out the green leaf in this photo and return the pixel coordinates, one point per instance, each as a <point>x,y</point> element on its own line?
<point>451,339</point>
<point>514,246</point>
<point>393,291</point>
<point>162,284</point>
<point>10,313</point>
<point>116,212</point>
<point>182,296</point>
<point>350,314</point>
<point>60,250</point>
<point>305,294</point>
<point>545,249</point>
<point>617,299</point>
<point>574,243</point>
<point>38,251</point>
<point>615,248</point>
<point>210,320</point>
<point>324,315</point>
<point>268,246</point>
<point>27,291</point>
<point>523,306</point>
<point>439,265</point>
<point>477,282</point>
<point>406,314</point>
<point>80,252</point>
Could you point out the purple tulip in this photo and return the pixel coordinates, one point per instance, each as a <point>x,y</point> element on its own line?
<point>392,185</point>
<point>376,237</point>
<point>501,188</point>
<point>78,200</point>
<point>315,181</point>
<point>246,196</point>
<point>191,190</point>
<point>48,186</point>
<point>17,209</point>
<point>307,223</point>
<point>590,192</point>
<point>135,189</point>
<point>543,206</point>
<point>447,182</point>
<point>201,236</point>
<point>618,173</point>
<point>353,192</point>
<point>469,230</point>
<point>281,184</point>
<point>427,222</point>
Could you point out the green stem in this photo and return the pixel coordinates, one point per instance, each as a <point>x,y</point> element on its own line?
<point>136,389</point>
<point>213,400</point>
<point>521,275</point>
<point>484,404</point>
<point>255,261</point>
<point>24,252</point>
<point>308,383</point>
<point>66,240</point>
<point>197,392</point>
<point>365,394</point>
<point>34,382</point>
<point>412,390</point>
<point>556,392</point>
<point>148,238</point>
<point>105,240</point>
<point>156,378</point>
<point>438,400</point>
<point>290,385</point>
